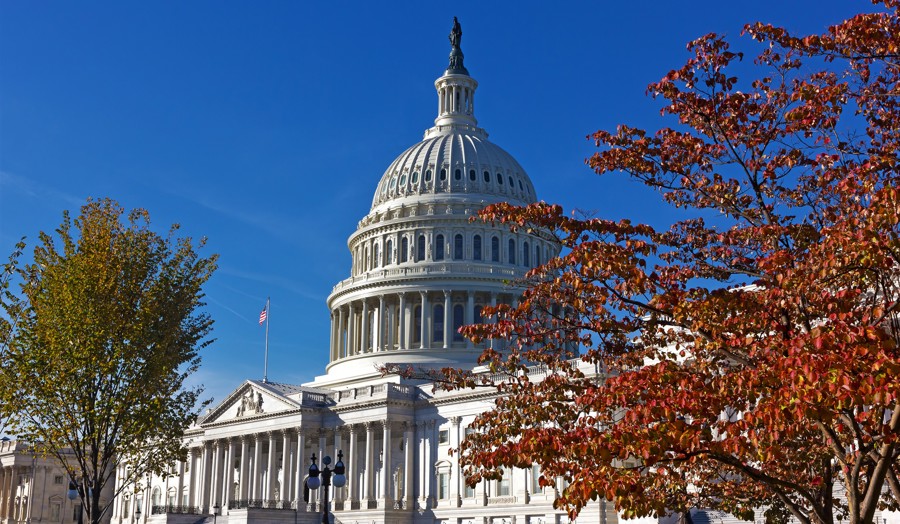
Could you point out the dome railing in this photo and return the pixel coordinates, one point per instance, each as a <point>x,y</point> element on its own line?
<point>430,269</point>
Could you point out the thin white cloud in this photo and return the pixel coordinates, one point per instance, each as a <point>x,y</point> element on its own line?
<point>272,280</point>
<point>25,186</point>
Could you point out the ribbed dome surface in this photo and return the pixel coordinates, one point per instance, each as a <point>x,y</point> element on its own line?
<point>459,162</point>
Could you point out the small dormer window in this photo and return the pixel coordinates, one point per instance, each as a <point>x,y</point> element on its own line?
<point>393,183</point>
<point>403,180</point>
<point>472,175</point>
<point>443,174</point>
<point>487,176</point>
<point>428,176</point>
<point>415,177</point>
<point>458,174</point>
<point>520,185</point>
<point>499,179</point>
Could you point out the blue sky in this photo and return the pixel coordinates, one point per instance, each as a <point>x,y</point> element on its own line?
<point>265,126</point>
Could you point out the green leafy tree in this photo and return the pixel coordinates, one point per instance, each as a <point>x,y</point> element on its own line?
<point>106,331</point>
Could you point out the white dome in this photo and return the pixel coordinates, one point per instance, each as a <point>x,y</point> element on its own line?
<point>421,267</point>
<point>454,161</point>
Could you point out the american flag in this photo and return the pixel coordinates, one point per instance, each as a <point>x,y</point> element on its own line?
<point>264,314</point>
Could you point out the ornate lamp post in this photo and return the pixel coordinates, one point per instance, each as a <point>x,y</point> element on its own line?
<point>313,482</point>
<point>216,509</point>
<point>137,512</point>
<point>74,491</point>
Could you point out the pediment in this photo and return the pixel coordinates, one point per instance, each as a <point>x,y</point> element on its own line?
<point>252,399</point>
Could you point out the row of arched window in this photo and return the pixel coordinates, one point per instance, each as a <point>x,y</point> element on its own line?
<point>443,179</point>
<point>415,248</point>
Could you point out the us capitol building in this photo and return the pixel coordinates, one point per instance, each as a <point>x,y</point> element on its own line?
<point>420,270</point>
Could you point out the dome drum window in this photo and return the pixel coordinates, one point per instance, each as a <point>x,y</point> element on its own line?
<point>439,247</point>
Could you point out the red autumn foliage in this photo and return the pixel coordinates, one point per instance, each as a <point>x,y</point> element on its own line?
<point>748,357</point>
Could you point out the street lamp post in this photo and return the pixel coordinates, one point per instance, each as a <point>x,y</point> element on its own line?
<point>137,513</point>
<point>74,491</point>
<point>313,482</point>
<point>216,509</point>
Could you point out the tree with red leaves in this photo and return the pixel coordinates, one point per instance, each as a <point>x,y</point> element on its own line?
<point>747,358</point>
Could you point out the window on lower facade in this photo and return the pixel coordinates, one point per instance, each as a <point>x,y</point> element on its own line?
<point>503,485</point>
<point>444,436</point>
<point>54,511</point>
<point>470,491</point>
<point>536,478</point>
<point>444,485</point>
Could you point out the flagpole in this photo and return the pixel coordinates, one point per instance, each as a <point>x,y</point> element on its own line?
<point>266,361</point>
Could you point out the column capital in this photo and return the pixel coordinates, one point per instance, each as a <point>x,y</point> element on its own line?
<point>447,293</point>
<point>455,420</point>
<point>370,425</point>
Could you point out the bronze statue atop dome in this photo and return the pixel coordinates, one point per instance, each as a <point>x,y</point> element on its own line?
<point>455,33</point>
<point>456,55</point>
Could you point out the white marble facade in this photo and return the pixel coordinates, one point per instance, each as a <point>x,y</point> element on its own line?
<point>34,488</point>
<point>420,269</point>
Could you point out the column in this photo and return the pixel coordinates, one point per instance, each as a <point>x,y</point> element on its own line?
<point>271,472</point>
<point>333,345</point>
<point>448,325</point>
<point>179,500</point>
<point>370,461</point>
<point>401,312</point>
<point>300,472</point>
<point>243,478</point>
<point>454,462</point>
<point>215,486</point>
<point>353,467</point>
<point>470,314</point>
<point>352,348</point>
<point>4,477</point>
<point>387,481</point>
<point>323,449</point>
<point>364,321</point>
<point>205,477</point>
<point>390,330</point>
<point>420,473</point>
<point>424,320</point>
<point>381,324</point>
<point>257,487</point>
<point>285,489</point>
<point>408,465</point>
<point>191,474</point>
<point>342,351</point>
<point>228,475</point>
<point>431,452</point>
